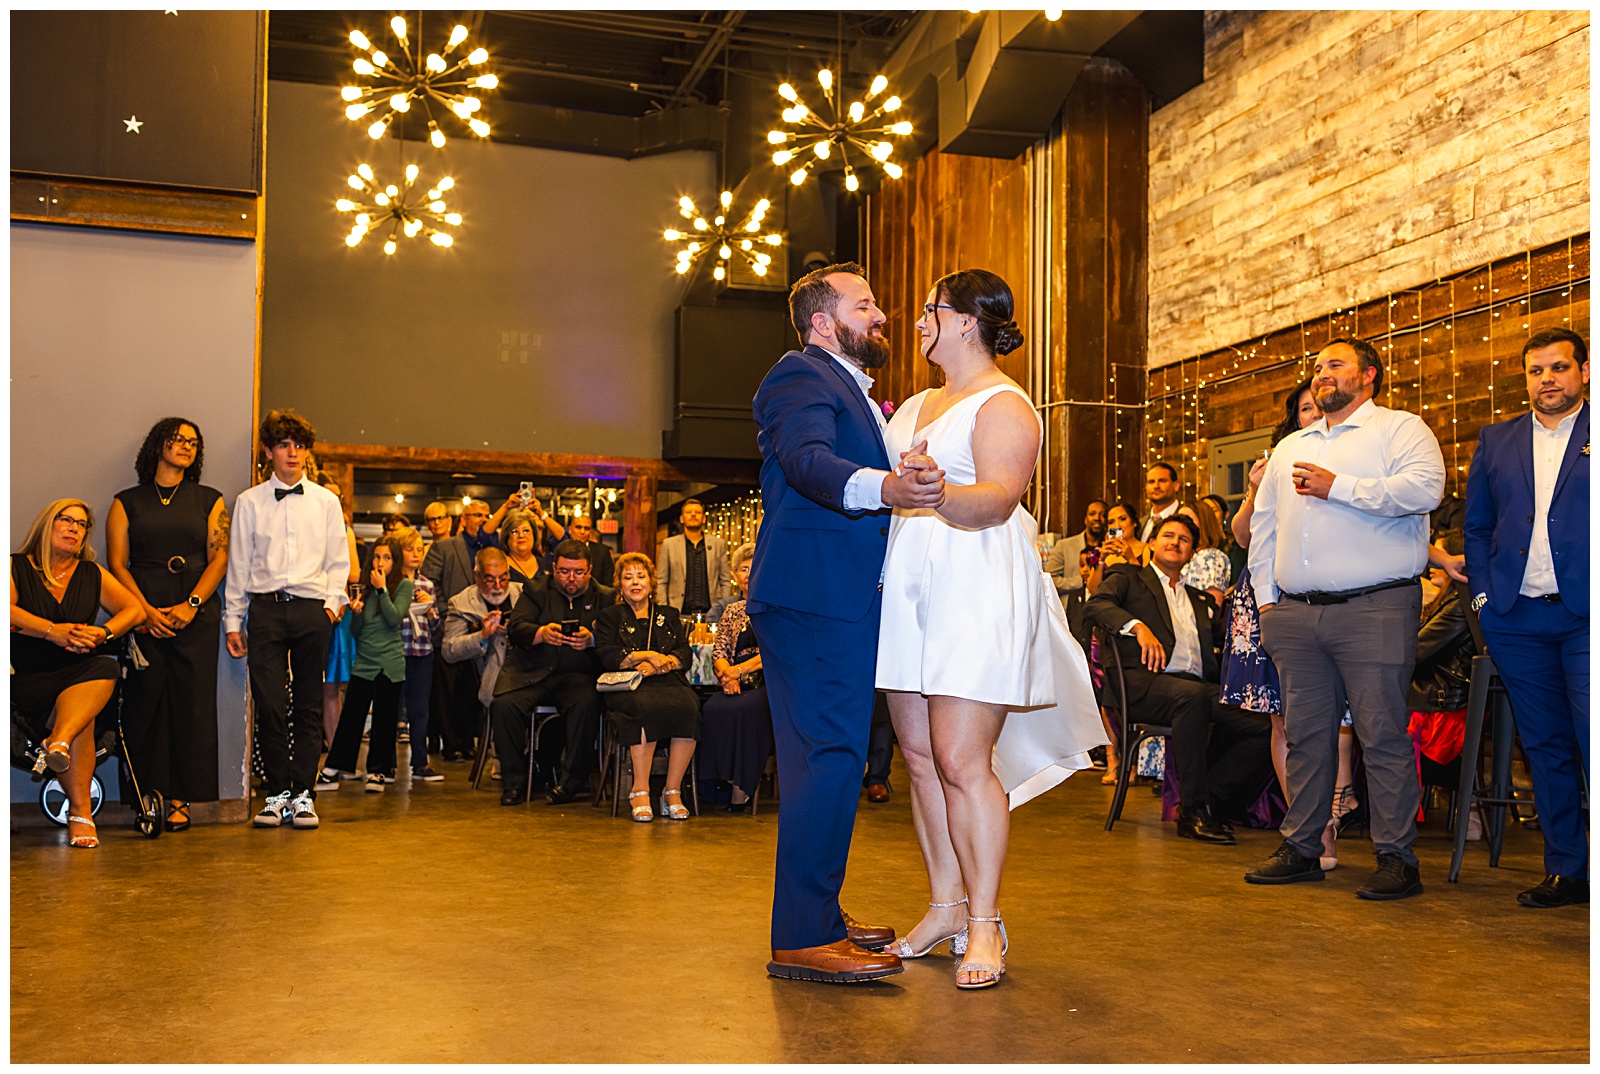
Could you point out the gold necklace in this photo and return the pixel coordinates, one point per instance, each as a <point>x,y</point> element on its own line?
<point>165,500</point>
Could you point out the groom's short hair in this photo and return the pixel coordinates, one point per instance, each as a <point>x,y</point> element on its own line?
<point>812,293</point>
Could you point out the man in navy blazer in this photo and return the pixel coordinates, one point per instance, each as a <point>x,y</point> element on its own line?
<point>816,594</point>
<point>1527,546</point>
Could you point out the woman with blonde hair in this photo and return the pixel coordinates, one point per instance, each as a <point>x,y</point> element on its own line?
<point>638,634</point>
<point>63,674</point>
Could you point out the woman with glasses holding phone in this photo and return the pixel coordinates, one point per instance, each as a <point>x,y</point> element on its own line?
<point>167,542</point>
<point>63,672</point>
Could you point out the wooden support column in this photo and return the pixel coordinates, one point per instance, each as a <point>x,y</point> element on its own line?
<point>639,514</point>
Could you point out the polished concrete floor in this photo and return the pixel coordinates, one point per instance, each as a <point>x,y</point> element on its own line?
<point>431,925</point>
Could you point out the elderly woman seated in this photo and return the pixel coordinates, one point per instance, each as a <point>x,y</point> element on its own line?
<point>736,733</point>
<point>63,674</point>
<point>638,634</point>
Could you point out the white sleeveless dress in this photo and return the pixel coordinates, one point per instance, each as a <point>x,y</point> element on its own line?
<point>970,613</point>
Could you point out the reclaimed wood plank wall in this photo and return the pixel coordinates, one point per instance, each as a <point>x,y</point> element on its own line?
<point>1451,350</point>
<point>1334,156</point>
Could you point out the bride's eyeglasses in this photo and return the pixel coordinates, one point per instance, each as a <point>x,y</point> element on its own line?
<point>929,307</point>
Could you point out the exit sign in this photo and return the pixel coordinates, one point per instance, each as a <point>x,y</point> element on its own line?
<point>607,525</point>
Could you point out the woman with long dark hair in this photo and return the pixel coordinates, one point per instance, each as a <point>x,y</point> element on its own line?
<point>379,671</point>
<point>167,542</point>
<point>988,691</point>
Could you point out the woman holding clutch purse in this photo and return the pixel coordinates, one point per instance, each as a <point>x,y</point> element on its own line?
<point>637,634</point>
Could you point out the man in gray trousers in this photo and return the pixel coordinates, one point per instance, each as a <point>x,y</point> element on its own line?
<point>1337,543</point>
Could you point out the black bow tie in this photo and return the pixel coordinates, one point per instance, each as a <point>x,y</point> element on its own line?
<point>298,490</point>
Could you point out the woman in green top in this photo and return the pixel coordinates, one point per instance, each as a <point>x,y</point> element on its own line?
<point>379,669</point>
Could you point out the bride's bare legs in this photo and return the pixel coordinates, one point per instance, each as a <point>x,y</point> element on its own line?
<point>963,734</point>
<point>909,714</point>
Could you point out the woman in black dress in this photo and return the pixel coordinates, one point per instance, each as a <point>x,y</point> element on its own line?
<point>63,672</point>
<point>638,634</point>
<point>736,735</point>
<point>167,540</point>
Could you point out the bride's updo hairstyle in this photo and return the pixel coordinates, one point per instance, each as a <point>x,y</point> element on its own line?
<point>980,293</point>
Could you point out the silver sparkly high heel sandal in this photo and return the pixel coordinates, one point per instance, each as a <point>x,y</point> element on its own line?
<point>973,968</point>
<point>958,940</point>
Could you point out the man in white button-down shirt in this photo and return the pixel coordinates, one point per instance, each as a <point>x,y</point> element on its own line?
<point>1527,545</point>
<point>1337,542</point>
<point>288,561</point>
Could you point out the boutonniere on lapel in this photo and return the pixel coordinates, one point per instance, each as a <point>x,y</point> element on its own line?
<point>661,620</point>
<point>887,406</point>
<point>1584,450</point>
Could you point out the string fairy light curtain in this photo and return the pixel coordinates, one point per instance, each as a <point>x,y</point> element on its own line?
<point>1450,349</point>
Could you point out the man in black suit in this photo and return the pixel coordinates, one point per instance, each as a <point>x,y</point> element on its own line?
<point>551,661</point>
<point>1167,635</point>
<point>601,563</point>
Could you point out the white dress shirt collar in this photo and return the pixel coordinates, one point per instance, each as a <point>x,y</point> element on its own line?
<point>273,482</point>
<point>1562,427</point>
<point>856,373</point>
<point>1358,417</point>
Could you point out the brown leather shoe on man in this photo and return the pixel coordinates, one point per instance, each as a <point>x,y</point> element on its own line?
<point>872,937</point>
<point>841,962</point>
<point>878,792</point>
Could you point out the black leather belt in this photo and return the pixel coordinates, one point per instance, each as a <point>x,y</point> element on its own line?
<point>279,596</point>
<point>174,564</point>
<point>1554,598</point>
<point>1343,596</point>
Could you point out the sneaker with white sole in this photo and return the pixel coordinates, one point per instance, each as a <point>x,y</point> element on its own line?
<point>328,780</point>
<point>305,811</point>
<point>273,811</point>
<point>428,775</point>
<point>374,783</point>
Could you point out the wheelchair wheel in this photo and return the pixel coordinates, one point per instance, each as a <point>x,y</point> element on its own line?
<point>53,799</point>
<point>152,817</point>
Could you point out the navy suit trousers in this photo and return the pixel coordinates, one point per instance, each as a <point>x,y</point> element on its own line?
<point>819,674</point>
<point>1542,653</point>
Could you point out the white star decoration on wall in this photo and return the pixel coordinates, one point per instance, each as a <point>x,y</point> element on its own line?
<point>133,124</point>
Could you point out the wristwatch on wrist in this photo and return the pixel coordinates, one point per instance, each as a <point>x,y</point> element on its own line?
<point>194,602</point>
<point>1479,601</point>
<point>110,637</point>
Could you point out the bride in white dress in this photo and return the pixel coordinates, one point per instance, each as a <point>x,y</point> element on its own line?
<point>988,691</point>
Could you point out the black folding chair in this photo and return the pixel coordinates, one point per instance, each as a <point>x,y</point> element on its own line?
<point>1132,733</point>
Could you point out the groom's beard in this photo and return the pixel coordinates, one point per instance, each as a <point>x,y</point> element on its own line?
<point>867,350</point>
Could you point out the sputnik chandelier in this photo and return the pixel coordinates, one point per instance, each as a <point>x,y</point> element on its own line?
<point>722,236</point>
<point>404,209</point>
<point>815,139</point>
<point>410,76</point>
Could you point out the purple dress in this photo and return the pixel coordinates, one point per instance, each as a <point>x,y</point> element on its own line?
<point>1249,678</point>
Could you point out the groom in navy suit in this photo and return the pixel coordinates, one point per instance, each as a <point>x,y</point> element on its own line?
<point>1527,545</point>
<point>816,593</point>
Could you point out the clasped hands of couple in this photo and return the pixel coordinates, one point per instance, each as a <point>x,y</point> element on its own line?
<point>917,482</point>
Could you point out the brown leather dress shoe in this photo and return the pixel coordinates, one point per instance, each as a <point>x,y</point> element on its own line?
<point>878,792</point>
<point>841,962</point>
<point>872,937</point>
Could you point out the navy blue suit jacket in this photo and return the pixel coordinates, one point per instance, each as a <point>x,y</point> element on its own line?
<point>1499,518</point>
<point>817,429</point>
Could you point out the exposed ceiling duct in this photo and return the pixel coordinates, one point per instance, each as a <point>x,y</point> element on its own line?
<point>1002,76</point>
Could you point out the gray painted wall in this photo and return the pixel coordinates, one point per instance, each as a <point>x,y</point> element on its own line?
<point>111,331</point>
<point>407,349</point>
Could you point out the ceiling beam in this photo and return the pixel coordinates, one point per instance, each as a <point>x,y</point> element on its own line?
<point>708,53</point>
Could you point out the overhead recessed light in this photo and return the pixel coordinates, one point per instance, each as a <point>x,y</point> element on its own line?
<point>461,476</point>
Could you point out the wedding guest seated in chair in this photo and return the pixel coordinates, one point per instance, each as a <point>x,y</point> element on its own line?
<point>63,672</point>
<point>552,661</point>
<point>736,733</point>
<point>1167,636</point>
<point>637,634</point>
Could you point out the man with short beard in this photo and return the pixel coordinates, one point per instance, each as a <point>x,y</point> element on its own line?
<point>1062,562</point>
<point>1338,541</point>
<point>1527,552</point>
<point>815,603</point>
<point>475,625</point>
